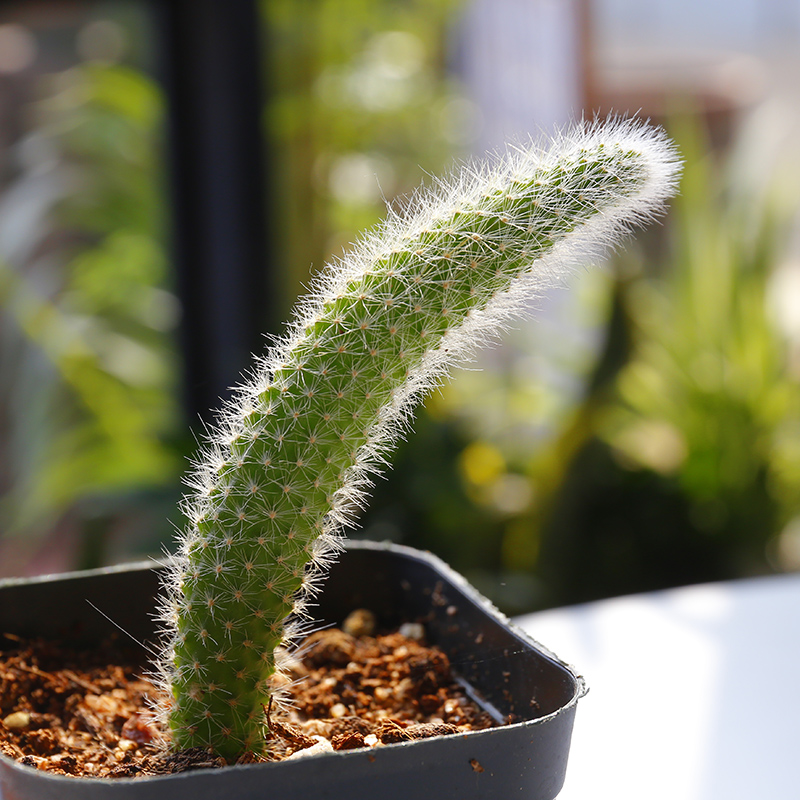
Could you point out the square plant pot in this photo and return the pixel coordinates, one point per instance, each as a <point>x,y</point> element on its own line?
<point>506,672</point>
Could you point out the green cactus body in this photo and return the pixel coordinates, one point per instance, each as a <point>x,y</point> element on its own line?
<point>295,449</point>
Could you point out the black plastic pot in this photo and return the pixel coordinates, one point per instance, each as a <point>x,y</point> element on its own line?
<point>505,671</point>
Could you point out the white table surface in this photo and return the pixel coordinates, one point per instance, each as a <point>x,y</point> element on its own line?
<point>693,692</point>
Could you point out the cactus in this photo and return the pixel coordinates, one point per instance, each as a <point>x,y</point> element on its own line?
<point>292,454</point>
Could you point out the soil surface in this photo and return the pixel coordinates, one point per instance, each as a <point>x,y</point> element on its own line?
<point>86,713</point>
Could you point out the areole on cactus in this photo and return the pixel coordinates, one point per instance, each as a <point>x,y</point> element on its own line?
<point>292,454</point>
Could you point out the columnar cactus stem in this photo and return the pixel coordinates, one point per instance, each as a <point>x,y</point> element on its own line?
<point>292,454</point>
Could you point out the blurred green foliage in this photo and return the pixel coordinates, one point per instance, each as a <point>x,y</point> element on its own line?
<point>689,471</point>
<point>710,400</point>
<point>88,362</point>
<point>676,462</point>
<point>649,436</point>
<point>360,109</point>
<point>91,435</point>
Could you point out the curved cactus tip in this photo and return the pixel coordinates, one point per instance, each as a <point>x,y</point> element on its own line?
<point>291,457</point>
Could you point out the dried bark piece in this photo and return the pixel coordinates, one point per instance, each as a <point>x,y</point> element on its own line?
<point>350,740</point>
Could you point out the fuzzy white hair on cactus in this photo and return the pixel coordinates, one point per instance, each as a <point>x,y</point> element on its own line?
<point>292,454</point>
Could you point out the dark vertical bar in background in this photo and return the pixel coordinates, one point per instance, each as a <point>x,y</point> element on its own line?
<point>210,62</point>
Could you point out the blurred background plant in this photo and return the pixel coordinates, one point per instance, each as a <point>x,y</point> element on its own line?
<point>88,407</point>
<point>92,437</point>
<point>644,432</point>
<point>678,462</point>
<point>360,107</point>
